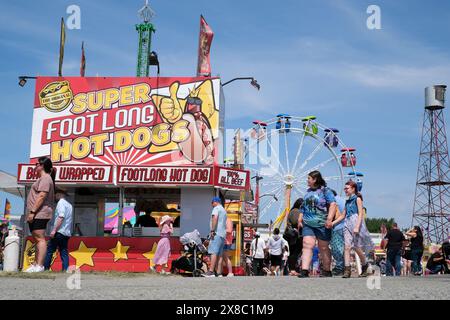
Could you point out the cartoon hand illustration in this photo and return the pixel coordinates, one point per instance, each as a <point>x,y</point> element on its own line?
<point>170,107</point>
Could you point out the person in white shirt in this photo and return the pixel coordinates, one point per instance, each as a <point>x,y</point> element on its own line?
<point>257,253</point>
<point>61,231</point>
<point>276,244</point>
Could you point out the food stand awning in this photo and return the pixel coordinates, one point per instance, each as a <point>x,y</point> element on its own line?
<point>8,184</point>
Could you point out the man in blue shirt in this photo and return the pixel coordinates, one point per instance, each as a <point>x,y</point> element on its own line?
<point>61,231</point>
<point>217,234</point>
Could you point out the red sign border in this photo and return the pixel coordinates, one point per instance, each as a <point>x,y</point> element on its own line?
<point>211,176</point>
<point>108,182</point>
<point>226,186</point>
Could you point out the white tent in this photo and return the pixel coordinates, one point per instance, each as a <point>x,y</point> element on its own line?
<point>8,184</point>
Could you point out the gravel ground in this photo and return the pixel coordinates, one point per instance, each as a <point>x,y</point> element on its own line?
<point>146,286</point>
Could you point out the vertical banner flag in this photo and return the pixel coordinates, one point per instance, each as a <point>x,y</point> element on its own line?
<point>7,209</point>
<point>83,61</point>
<point>204,46</point>
<point>62,40</point>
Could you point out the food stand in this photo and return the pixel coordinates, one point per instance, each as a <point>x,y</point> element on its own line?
<point>122,146</point>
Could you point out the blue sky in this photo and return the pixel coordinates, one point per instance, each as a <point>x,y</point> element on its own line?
<point>311,57</point>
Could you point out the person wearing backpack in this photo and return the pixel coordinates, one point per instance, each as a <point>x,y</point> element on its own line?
<point>225,259</point>
<point>318,210</point>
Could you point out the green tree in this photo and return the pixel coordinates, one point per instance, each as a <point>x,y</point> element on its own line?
<point>374,224</point>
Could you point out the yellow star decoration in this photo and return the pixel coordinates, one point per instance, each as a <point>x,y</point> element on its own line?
<point>149,255</point>
<point>120,251</point>
<point>30,255</point>
<point>83,255</point>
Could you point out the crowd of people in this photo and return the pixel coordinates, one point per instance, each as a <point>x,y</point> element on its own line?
<point>322,230</point>
<point>323,236</point>
<point>404,254</point>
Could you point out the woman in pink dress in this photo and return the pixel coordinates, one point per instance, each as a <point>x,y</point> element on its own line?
<point>162,253</point>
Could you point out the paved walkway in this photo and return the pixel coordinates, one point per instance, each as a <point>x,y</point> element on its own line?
<point>143,286</point>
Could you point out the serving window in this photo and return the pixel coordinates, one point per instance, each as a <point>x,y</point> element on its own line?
<point>144,207</point>
<point>97,210</point>
<point>91,205</point>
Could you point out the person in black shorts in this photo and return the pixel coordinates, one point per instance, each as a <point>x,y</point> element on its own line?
<point>40,208</point>
<point>276,244</point>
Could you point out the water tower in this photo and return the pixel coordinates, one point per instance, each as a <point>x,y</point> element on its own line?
<point>432,198</point>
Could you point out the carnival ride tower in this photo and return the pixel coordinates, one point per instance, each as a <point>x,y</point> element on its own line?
<point>145,30</point>
<point>432,197</point>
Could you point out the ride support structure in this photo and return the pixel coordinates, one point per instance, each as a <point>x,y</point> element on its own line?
<point>145,30</point>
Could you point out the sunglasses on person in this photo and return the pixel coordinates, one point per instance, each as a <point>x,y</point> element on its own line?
<point>37,164</point>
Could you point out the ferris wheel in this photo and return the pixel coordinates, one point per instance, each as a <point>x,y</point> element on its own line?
<point>282,151</point>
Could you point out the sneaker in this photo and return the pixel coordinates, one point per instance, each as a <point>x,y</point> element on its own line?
<point>39,269</point>
<point>152,269</point>
<point>164,272</point>
<point>30,269</point>
<point>209,274</point>
<point>219,276</point>
<point>230,275</point>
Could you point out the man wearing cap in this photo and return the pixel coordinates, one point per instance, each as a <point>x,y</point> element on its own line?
<point>61,231</point>
<point>217,234</point>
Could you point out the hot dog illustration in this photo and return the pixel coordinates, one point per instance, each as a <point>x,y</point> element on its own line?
<point>199,147</point>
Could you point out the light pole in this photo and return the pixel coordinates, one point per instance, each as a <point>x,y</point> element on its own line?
<point>23,80</point>
<point>257,207</point>
<point>257,179</point>
<point>253,82</point>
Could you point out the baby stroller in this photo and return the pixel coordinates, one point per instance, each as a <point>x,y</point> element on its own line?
<point>193,258</point>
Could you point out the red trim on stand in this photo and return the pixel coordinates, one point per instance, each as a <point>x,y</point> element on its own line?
<point>84,251</point>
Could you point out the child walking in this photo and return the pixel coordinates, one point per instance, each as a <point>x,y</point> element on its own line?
<point>162,253</point>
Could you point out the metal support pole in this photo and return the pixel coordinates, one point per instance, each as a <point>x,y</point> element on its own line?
<point>25,230</point>
<point>287,204</point>
<point>121,202</point>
